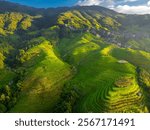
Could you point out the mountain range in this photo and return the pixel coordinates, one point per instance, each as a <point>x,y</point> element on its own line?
<point>73,59</point>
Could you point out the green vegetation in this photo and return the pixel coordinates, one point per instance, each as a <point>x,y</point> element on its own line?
<point>135,57</point>
<point>108,21</point>
<point>144,78</point>
<point>6,77</point>
<point>74,19</point>
<point>144,81</point>
<point>79,59</point>
<point>124,82</point>
<point>42,82</point>
<point>97,75</point>
<point>1,61</point>
<point>142,44</point>
<point>10,22</point>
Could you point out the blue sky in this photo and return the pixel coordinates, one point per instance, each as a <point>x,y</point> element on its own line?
<point>46,3</point>
<point>123,6</point>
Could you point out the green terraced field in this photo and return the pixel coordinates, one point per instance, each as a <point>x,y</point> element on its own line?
<point>76,59</point>
<point>97,72</point>
<point>43,80</point>
<point>137,58</point>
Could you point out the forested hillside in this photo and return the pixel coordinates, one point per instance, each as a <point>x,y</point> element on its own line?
<point>77,59</point>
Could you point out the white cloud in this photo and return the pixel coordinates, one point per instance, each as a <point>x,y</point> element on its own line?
<point>89,2</point>
<point>105,3</point>
<point>133,9</point>
<point>148,3</point>
<point>130,0</point>
<point>119,6</point>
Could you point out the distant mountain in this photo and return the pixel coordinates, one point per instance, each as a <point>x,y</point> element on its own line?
<point>6,6</point>
<point>73,59</point>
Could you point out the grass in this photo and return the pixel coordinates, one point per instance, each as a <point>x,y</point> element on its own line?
<point>102,82</point>
<point>140,44</point>
<point>97,72</point>
<point>73,67</point>
<point>45,75</point>
<point>98,78</point>
<point>135,57</point>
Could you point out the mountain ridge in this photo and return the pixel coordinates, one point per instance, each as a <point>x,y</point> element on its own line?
<point>74,59</point>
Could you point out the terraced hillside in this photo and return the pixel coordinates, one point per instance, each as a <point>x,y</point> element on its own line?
<point>42,82</point>
<point>83,20</point>
<point>136,57</point>
<point>105,82</point>
<point>75,59</point>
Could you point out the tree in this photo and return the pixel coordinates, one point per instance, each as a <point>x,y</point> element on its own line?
<point>7,90</point>
<point>2,108</point>
<point>2,97</point>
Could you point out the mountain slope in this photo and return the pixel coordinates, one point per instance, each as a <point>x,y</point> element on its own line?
<point>73,59</point>
<point>105,84</point>
<point>42,81</point>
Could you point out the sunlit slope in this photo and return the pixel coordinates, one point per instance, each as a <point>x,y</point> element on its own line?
<point>105,83</point>
<point>142,44</point>
<point>81,20</point>
<point>11,22</point>
<point>45,74</point>
<point>138,58</point>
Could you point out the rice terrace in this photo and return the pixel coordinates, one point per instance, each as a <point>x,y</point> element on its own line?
<point>78,59</point>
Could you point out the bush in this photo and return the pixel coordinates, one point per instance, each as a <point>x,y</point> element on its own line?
<point>2,108</point>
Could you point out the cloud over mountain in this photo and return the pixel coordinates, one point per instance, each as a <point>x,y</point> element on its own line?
<point>122,6</point>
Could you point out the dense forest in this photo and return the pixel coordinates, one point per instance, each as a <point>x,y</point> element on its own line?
<point>73,59</point>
